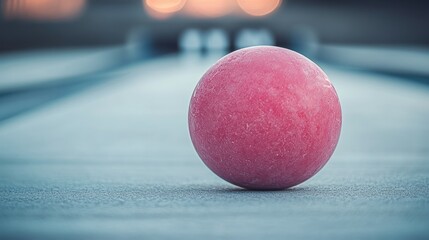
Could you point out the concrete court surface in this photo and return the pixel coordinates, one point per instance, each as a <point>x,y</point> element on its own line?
<point>115,162</point>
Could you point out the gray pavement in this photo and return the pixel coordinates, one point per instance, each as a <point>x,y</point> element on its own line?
<point>116,162</point>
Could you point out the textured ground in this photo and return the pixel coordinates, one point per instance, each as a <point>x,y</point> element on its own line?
<point>115,162</point>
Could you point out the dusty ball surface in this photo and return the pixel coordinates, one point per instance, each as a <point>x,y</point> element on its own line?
<point>265,118</point>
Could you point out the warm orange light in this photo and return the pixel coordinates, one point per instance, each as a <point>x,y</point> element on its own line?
<point>209,8</point>
<point>43,9</point>
<point>259,7</point>
<point>165,6</point>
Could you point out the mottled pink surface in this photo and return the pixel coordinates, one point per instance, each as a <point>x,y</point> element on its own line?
<point>265,118</point>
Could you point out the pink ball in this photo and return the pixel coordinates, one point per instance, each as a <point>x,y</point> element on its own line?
<point>265,118</point>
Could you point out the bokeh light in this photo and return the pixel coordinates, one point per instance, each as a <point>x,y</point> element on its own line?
<point>259,7</point>
<point>163,8</point>
<point>42,9</point>
<point>209,8</point>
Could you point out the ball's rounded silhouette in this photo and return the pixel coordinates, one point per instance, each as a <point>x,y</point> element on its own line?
<point>265,118</point>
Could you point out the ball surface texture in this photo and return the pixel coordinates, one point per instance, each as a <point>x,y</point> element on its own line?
<point>264,118</point>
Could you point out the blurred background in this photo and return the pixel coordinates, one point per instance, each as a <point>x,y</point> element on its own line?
<point>35,24</point>
<point>93,119</point>
<point>59,41</point>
